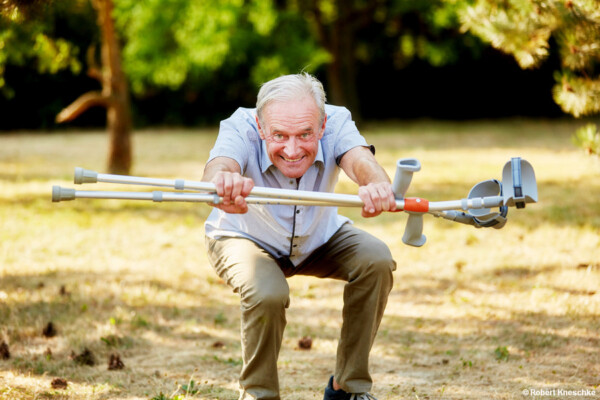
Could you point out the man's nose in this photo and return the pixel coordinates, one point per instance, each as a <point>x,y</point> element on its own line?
<point>291,146</point>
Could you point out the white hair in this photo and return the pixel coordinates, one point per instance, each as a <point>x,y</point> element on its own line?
<point>288,87</point>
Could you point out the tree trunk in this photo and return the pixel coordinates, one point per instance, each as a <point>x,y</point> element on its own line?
<point>338,37</point>
<point>114,95</point>
<point>114,86</point>
<point>341,72</point>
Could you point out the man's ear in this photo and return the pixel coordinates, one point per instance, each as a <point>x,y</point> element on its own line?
<point>322,130</point>
<point>260,131</point>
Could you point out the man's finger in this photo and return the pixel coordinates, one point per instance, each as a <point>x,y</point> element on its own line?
<point>247,187</point>
<point>237,184</point>
<point>365,196</point>
<point>387,200</point>
<point>241,205</point>
<point>227,187</point>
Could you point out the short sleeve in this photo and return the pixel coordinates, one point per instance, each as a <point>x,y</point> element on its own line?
<point>234,138</point>
<point>343,131</point>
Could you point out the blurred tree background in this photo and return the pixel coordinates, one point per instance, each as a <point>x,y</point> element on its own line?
<point>532,31</point>
<point>190,62</point>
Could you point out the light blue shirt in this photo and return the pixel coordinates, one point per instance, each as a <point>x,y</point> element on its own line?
<point>284,231</point>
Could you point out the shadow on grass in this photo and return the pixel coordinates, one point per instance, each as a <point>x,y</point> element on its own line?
<point>424,352</point>
<point>107,321</point>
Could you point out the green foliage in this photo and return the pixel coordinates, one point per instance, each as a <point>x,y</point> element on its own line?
<point>182,42</point>
<point>175,43</point>
<point>402,31</point>
<point>289,50</point>
<point>43,34</point>
<point>162,396</point>
<point>576,94</point>
<point>220,319</point>
<point>232,362</point>
<point>526,29</point>
<point>501,353</point>
<point>190,388</point>
<point>588,138</point>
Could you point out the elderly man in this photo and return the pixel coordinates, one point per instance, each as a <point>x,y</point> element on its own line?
<point>293,140</point>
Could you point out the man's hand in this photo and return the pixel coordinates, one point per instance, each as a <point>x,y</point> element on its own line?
<point>378,197</point>
<point>224,173</point>
<point>375,189</point>
<point>233,188</point>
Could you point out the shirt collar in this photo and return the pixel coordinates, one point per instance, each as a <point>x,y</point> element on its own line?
<point>266,161</point>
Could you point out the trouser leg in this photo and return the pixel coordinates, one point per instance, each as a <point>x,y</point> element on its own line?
<point>366,263</point>
<point>264,296</point>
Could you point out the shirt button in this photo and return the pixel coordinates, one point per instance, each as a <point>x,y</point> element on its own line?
<point>297,211</point>
<point>291,182</point>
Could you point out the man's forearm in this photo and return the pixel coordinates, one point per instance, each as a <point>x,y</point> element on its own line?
<point>360,165</point>
<point>367,170</point>
<point>219,164</point>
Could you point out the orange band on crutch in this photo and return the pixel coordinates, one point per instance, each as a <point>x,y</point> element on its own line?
<point>416,204</point>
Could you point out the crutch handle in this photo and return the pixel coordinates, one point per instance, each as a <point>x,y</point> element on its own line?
<point>413,233</point>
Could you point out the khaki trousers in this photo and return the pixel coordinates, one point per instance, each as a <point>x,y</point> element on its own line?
<point>352,255</point>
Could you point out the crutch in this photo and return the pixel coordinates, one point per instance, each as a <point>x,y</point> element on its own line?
<point>517,189</point>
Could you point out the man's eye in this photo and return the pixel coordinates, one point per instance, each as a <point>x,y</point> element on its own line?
<point>278,137</point>
<point>306,135</point>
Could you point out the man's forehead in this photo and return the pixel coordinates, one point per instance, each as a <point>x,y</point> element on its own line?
<point>275,126</point>
<point>292,108</point>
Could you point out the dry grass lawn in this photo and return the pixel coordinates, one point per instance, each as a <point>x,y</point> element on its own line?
<point>474,314</point>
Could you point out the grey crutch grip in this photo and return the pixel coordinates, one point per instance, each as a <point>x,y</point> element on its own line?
<point>62,194</point>
<point>413,233</point>
<point>85,176</point>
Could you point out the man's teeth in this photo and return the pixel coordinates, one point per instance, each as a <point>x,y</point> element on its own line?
<point>292,159</point>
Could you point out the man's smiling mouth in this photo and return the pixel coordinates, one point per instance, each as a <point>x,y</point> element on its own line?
<point>292,159</point>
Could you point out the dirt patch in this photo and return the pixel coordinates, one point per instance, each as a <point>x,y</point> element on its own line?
<point>86,357</point>
<point>49,330</point>
<point>305,343</point>
<point>4,351</point>
<point>59,383</point>
<point>115,363</point>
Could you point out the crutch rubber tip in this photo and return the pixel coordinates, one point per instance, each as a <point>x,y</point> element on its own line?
<point>62,194</point>
<point>85,176</point>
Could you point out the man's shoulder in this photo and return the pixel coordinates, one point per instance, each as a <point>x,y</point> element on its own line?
<point>242,123</point>
<point>331,109</point>
<point>339,121</point>
<point>243,114</point>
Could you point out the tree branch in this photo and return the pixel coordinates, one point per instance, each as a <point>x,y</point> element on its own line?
<point>94,71</point>
<point>85,101</point>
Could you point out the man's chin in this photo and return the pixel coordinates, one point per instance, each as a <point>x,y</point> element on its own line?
<point>293,175</point>
<point>293,172</point>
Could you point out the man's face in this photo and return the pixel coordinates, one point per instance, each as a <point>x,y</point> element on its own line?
<point>292,132</point>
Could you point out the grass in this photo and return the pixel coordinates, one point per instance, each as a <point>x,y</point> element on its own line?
<point>475,313</point>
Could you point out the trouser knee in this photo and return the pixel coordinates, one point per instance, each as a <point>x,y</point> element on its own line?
<point>379,274</point>
<point>270,299</point>
<point>378,264</point>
